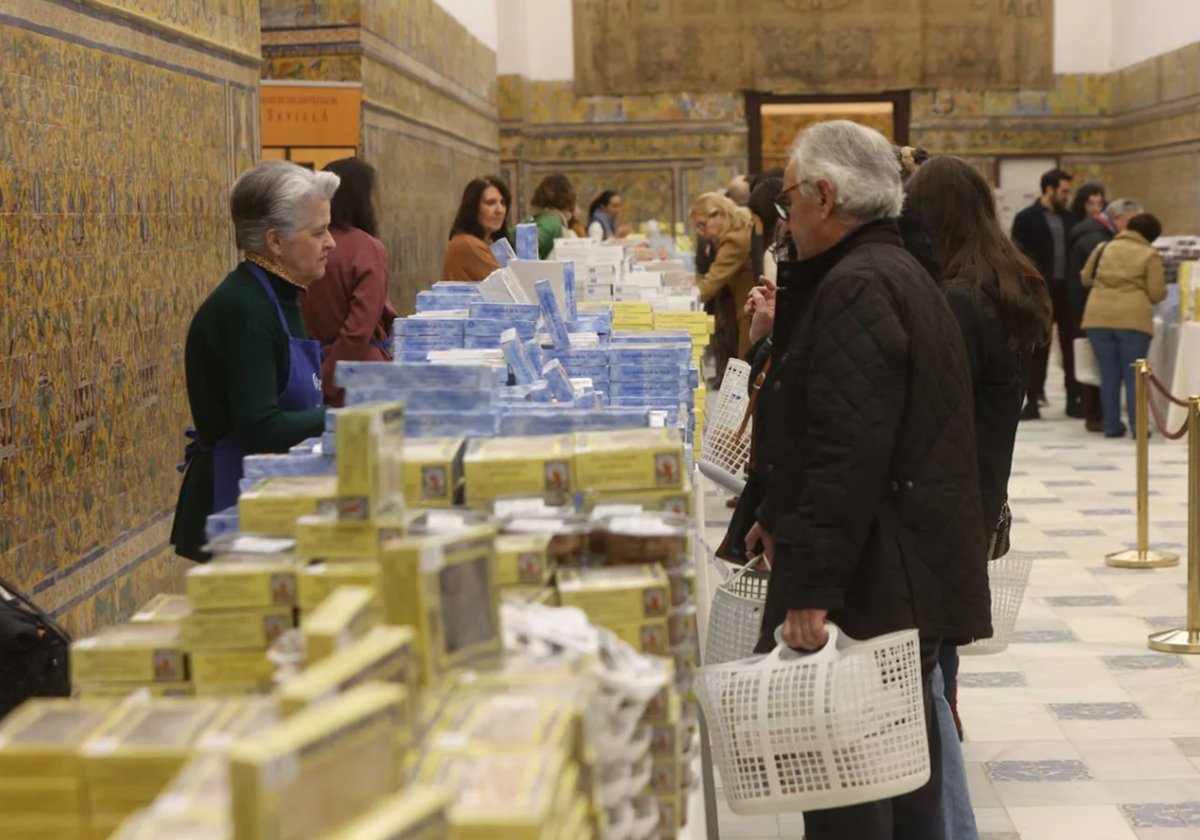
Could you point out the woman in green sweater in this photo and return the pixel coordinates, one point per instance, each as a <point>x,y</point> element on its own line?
<point>253,377</point>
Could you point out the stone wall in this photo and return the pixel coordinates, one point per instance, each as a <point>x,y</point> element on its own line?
<point>113,227</point>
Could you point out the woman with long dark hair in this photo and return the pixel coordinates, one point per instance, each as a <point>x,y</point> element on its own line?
<point>480,221</point>
<point>348,310</point>
<point>604,217</point>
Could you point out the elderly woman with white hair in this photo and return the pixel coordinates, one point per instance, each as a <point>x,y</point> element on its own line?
<point>253,376</point>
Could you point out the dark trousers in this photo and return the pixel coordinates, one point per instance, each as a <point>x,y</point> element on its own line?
<point>1116,351</point>
<point>914,816</point>
<point>1067,333</point>
<point>948,658</point>
<point>1092,410</point>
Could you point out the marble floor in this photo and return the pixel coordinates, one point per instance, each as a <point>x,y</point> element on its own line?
<point>1078,730</point>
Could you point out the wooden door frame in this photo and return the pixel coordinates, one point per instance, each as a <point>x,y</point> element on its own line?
<point>901,101</point>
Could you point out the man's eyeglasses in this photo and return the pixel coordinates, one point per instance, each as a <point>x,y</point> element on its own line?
<point>783,203</point>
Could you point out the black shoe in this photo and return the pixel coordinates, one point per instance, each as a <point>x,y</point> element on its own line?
<point>1095,426</point>
<point>1031,412</point>
<point>1119,433</point>
<point>1075,411</point>
<point>1042,401</point>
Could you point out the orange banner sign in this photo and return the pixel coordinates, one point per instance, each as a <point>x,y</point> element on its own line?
<point>311,115</point>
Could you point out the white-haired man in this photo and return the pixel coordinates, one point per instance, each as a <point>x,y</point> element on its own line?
<point>866,481</point>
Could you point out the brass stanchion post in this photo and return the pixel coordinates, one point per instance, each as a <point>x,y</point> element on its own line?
<point>1142,557</point>
<point>1187,640</point>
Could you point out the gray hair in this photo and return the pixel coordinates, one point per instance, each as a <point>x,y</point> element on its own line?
<point>860,164</point>
<point>1123,208</point>
<point>272,196</point>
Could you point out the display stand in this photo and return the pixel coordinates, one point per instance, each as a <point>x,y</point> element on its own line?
<point>702,809</point>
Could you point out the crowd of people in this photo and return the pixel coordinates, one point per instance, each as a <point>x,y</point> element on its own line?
<point>897,337</point>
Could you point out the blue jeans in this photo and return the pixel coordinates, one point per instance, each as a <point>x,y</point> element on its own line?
<point>1116,351</point>
<point>956,798</point>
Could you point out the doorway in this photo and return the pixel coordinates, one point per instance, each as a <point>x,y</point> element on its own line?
<point>774,120</point>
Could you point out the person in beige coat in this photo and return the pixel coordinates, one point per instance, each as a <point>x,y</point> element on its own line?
<point>1126,279</point>
<point>728,227</point>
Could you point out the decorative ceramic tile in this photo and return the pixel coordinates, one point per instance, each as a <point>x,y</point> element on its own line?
<point>1144,662</point>
<point>1043,637</point>
<point>1038,771</point>
<point>992,679</point>
<point>1159,815</point>
<point>1096,711</point>
<point>1082,601</point>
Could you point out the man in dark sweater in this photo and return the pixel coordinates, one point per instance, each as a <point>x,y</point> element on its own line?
<point>1043,232</point>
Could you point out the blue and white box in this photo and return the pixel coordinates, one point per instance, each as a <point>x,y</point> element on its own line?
<point>580,356</point>
<point>306,447</point>
<point>555,324</point>
<point>569,291</point>
<point>287,466</point>
<point>652,373</point>
<point>425,399</point>
<point>518,358</point>
<point>540,393</point>
<point>596,374</point>
<point>503,251</point>
<point>452,327</point>
<point>525,330</point>
<point>676,391</point>
<point>449,424</point>
<point>649,354</point>
<point>558,382</point>
<point>482,342</point>
<point>505,312</point>
<point>429,301</point>
<point>651,337</point>
<point>403,377</point>
<point>425,343</point>
<point>456,287</point>
<point>222,523</point>
<point>527,241</point>
<point>536,354</point>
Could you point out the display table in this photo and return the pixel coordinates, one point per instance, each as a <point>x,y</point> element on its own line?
<point>1185,372</point>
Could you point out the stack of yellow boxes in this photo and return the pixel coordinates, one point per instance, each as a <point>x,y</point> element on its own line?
<point>239,607</point>
<point>645,467</point>
<point>518,467</point>
<point>632,601</point>
<point>701,327</point>
<point>42,793</point>
<point>369,508</point>
<point>342,619</point>
<point>272,506</point>
<point>632,315</point>
<point>525,567</point>
<point>433,471</point>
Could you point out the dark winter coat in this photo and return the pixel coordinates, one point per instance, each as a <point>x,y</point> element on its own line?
<point>1031,232</point>
<point>866,448</point>
<point>1085,237</point>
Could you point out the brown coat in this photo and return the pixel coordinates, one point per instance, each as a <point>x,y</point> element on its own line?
<point>468,258</point>
<point>348,309</point>
<point>1126,281</point>
<point>732,267</point>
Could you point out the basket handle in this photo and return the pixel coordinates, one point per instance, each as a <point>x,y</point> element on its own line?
<point>826,654</point>
<point>747,566</point>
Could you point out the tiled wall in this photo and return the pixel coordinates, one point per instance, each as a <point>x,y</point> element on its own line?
<point>659,151</point>
<point>112,229</point>
<point>429,116</point>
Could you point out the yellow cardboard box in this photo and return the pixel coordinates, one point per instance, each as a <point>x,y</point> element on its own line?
<point>346,615</point>
<point>420,813</point>
<point>523,560</point>
<point>517,466</point>
<point>617,594</point>
<point>671,500</point>
<point>201,786</point>
<point>156,825</point>
<point>124,689</point>
<point>232,667</point>
<point>629,459</point>
<point>370,460</point>
<point>164,607</point>
<point>333,540</point>
<point>318,769</point>
<point>131,653</point>
<point>244,584</point>
<point>273,505</point>
<point>318,581</point>
<point>237,629</point>
<point>432,470</point>
<point>443,585</point>
<point>647,636</point>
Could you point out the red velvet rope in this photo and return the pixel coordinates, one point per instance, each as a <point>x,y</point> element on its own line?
<point>1158,420</point>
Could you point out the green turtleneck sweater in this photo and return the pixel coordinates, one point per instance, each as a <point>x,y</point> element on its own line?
<point>236,362</point>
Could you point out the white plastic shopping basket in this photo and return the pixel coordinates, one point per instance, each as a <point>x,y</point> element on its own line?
<point>806,732</point>
<point>735,617</point>
<point>1007,578</point>
<point>726,448</point>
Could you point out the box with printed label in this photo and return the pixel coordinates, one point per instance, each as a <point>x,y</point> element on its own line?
<point>385,654</point>
<point>432,470</point>
<point>412,376</point>
<point>96,690</point>
<point>131,653</point>
<point>618,595</point>
<point>517,466</point>
<point>370,455</point>
<point>428,325</point>
<point>420,813</point>
<point>316,582</point>
<point>523,559</point>
<point>163,607</point>
<point>677,501</point>
<point>509,722</point>
<point>318,769</point>
<point>237,629</point>
<point>444,586</point>
<point>274,504</point>
<point>649,636</point>
<point>232,667</point>
<point>334,540</point>
<point>242,584</point>
<point>628,459</point>
<point>345,616</point>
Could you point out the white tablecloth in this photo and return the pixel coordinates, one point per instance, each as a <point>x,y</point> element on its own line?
<point>1185,373</point>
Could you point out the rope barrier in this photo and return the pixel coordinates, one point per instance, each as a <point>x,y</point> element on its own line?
<point>1154,411</point>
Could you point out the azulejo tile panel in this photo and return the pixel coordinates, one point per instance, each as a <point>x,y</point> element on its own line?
<point>112,229</point>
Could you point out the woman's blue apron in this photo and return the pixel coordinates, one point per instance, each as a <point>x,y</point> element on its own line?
<point>302,391</point>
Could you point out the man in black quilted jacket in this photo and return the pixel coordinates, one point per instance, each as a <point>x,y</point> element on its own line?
<point>867,482</point>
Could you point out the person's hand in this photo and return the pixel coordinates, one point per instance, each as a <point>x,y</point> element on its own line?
<point>761,295</point>
<point>756,535</point>
<point>805,629</point>
<point>762,317</point>
<point>624,230</point>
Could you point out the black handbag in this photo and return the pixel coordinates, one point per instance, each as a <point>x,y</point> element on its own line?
<point>1001,541</point>
<point>34,651</point>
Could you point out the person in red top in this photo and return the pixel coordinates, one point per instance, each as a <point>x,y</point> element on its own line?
<point>348,310</point>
